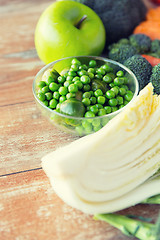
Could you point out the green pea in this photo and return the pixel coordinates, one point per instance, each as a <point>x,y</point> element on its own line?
<point>41,84</point>
<point>110,94</point>
<point>126,80</point>
<point>125,102</point>
<point>93,100</point>
<point>120,100</point>
<point>120,73</point>
<point>114,109</point>
<point>111,85</point>
<point>91,75</point>
<point>80,130</point>
<point>76,61</point>
<point>101,112</point>
<point>128,96</point>
<point>61,79</point>
<point>53,103</point>
<point>79,84</point>
<point>99,106</point>
<point>49,80</point>
<point>86,101</point>
<point>92,63</point>
<point>53,86</point>
<point>104,121</point>
<point>129,91</point>
<point>118,81</point>
<point>98,93</point>
<point>41,96</point>
<point>96,122</point>
<point>89,114</point>
<point>75,79</point>
<point>101,99</point>
<point>45,103</point>
<point>70,95</point>
<point>72,73</point>
<point>83,66</point>
<point>72,88</point>
<point>107,79</point>
<point>67,83</point>
<point>56,95</point>
<point>115,90</point>
<point>86,87</point>
<point>86,95</point>
<point>63,90</point>
<point>97,128</point>
<point>121,106</point>
<point>99,76</point>
<point>58,107</point>
<point>113,102</point>
<point>122,91</point>
<point>82,72</point>
<point>107,68</point>
<point>88,130</point>
<point>91,92</point>
<point>62,99</point>
<point>94,109</point>
<point>85,79</point>
<point>125,87</point>
<point>91,70</point>
<point>69,78</point>
<point>45,89</point>
<point>101,71</point>
<point>75,67</point>
<point>49,95</point>
<point>108,109</point>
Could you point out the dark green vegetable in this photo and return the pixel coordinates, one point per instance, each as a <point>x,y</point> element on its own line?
<point>141,42</point>
<point>119,17</point>
<point>141,68</point>
<point>155,46</point>
<point>98,84</point>
<point>155,78</point>
<point>122,52</point>
<point>72,107</point>
<point>131,227</point>
<point>84,91</point>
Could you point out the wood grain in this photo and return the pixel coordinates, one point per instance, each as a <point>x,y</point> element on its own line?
<point>30,210</point>
<point>25,137</point>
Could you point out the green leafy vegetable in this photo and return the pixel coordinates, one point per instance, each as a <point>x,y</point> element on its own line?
<point>132,227</point>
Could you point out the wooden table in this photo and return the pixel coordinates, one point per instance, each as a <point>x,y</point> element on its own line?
<point>29,208</point>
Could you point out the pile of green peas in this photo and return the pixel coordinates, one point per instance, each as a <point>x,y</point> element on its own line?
<point>100,89</point>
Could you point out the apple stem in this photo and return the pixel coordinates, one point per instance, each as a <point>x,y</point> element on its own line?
<point>80,21</point>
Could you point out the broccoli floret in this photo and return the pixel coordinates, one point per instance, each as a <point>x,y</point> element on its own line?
<point>119,17</point>
<point>123,41</point>
<point>120,53</point>
<point>155,78</point>
<point>155,46</point>
<point>141,68</point>
<point>141,42</point>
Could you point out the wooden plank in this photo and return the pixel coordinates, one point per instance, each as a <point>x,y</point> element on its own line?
<point>19,62</point>
<point>25,136</point>
<point>30,210</point>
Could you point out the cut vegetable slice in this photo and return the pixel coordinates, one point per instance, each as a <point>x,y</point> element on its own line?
<point>99,172</point>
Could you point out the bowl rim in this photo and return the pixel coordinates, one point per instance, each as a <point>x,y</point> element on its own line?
<point>96,58</point>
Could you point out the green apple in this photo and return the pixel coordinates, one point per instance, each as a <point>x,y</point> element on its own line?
<point>68,28</point>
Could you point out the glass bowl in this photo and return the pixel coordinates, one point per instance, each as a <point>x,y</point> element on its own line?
<point>80,126</point>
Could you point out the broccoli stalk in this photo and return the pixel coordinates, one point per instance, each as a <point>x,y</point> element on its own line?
<point>132,227</point>
<point>152,200</point>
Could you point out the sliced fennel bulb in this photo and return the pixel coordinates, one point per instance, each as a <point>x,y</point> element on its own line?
<point>105,171</point>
